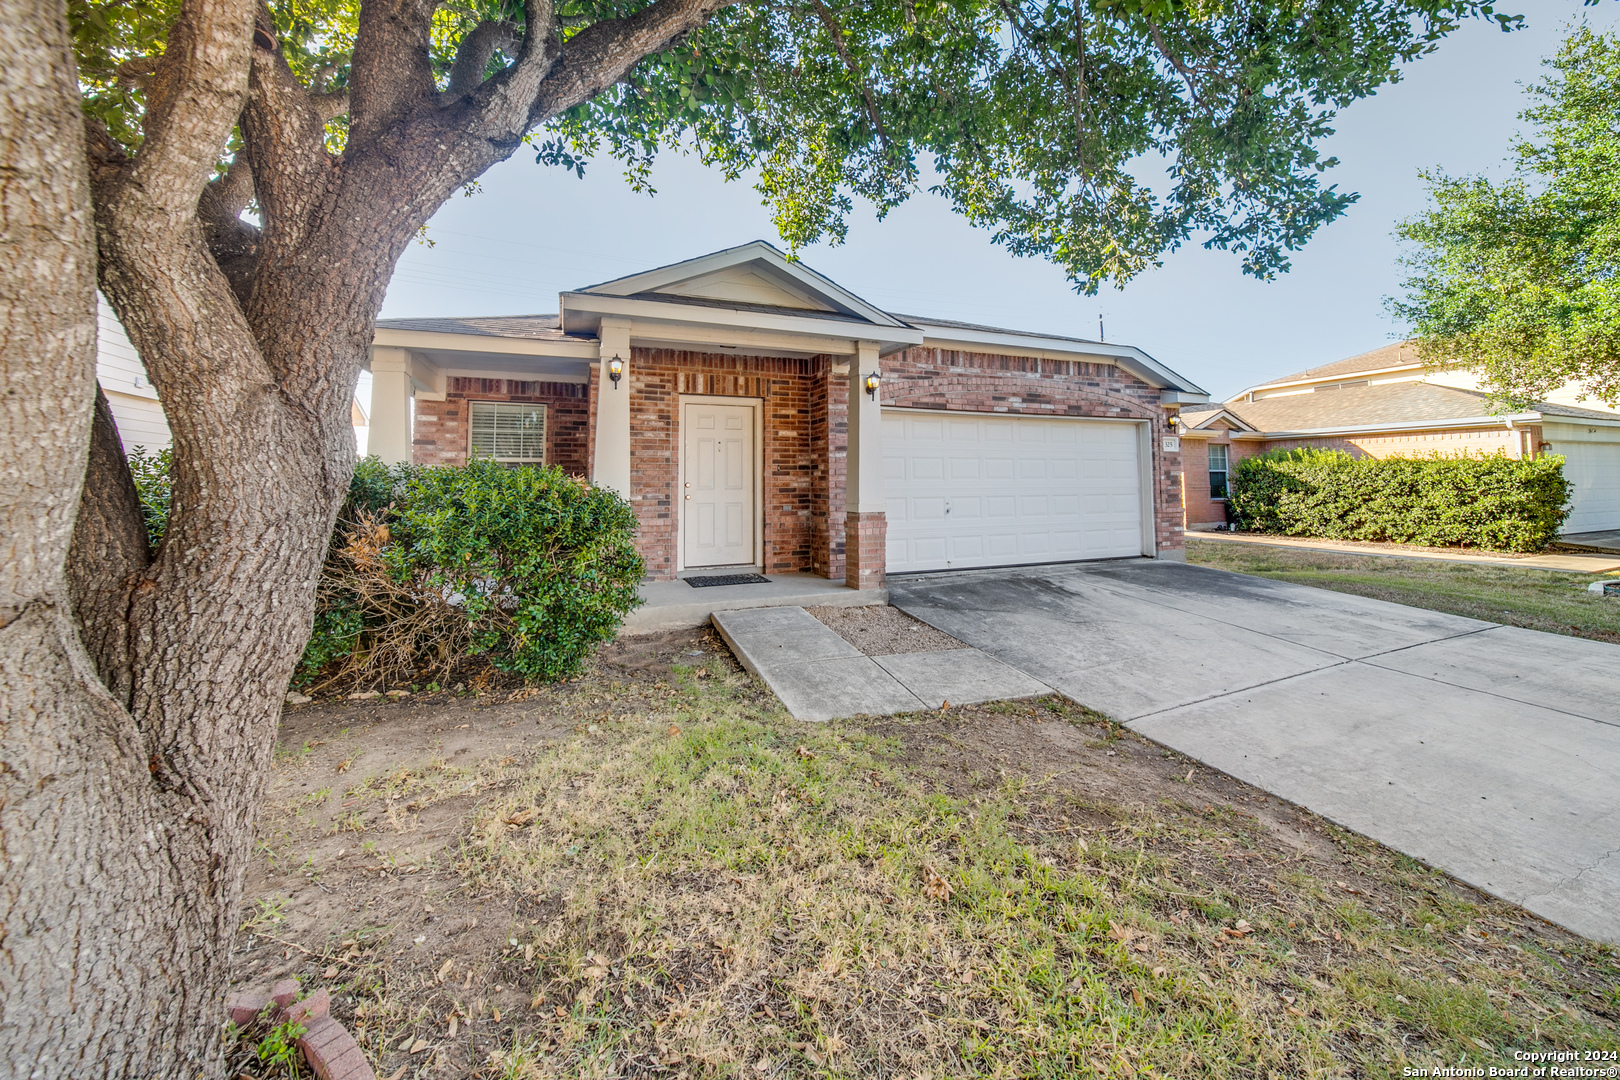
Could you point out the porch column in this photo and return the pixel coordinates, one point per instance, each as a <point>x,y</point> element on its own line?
<point>613,410</point>
<point>865,526</point>
<point>390,436</point>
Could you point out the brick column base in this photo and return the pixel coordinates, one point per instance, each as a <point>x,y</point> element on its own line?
<point>865,537</point>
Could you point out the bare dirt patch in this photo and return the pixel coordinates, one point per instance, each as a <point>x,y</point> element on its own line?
<point>652,871</point>
<point>883,630</point>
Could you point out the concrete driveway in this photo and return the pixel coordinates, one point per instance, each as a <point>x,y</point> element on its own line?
<point>1488,751</point>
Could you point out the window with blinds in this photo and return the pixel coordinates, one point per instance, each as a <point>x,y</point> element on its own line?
<point>1217,472</point>
<point>508,432</point>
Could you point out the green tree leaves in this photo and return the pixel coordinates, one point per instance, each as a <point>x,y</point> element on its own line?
<point>1518,278</point>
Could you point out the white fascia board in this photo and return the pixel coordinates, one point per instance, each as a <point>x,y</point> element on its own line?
<point>480,343</point>
<point>1132,359</point>
<point>1182,397</point>
<point>692,315</point>
<point>1221,415</point>
<point>664,276</point>
<point>1560,420</point>
<point>1349,375</point>
<point>1410,425</point>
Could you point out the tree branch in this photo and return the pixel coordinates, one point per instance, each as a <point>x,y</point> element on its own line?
<point>194,96</point>
<point>836,32</point>
<point>390,76</point>
<point>474,53</point>
<point>108,552</point>
<point>284,138</point>
<point>604,52</point>
<point>233,242</point>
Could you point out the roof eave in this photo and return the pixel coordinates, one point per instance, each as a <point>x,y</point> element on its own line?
<point>1129,357</point>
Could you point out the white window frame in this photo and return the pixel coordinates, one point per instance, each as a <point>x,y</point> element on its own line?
<point>1226,473</point>
<point>474,407</point>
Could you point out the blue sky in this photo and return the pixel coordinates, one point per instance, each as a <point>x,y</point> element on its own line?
<point>533,231</point>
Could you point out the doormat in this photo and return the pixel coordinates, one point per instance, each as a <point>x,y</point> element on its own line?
<point>727,579</point>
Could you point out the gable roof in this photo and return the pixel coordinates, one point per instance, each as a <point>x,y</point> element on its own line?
<point>753,277</point>
<point>1202,419</point>
<point>1389,406</point>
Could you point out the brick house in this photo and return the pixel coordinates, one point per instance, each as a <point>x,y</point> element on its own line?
<point>758,416</point>
<point>1384,404</point>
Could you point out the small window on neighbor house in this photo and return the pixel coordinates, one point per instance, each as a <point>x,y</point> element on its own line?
<point>508,432</point>
<point>1217,472</point>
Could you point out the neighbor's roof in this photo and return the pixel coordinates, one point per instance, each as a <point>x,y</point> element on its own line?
<point>1385,405</point>
<point>1400,354</point>
<point>504,326</point>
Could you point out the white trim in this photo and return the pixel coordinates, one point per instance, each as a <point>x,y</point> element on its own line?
<point>754,403</point>
<point>752,252</point>
<point>1015,415</point>
<point>1149,490</point>
<point>578,303</point>
<point>483,343</point>
<point>1144,458</point>
<point>1341,377</point>
<point>1396,427</point>
<point>1129,357</point>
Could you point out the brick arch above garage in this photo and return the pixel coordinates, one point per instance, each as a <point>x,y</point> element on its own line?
<point>935,378</point>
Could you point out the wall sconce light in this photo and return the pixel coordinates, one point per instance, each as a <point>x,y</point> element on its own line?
<point>872,382</point>
<point>615,371</point>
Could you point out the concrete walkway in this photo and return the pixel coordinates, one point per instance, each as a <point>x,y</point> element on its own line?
<point>1488,751</point>
<point>675,605</point>
<point>820,676</point>
<point>1597,563</point>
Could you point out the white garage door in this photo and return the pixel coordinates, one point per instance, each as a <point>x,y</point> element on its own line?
<point>967,490</point>
<point>1594,469</point>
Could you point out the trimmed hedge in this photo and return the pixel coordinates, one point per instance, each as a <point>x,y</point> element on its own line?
<point>1494,502</point>
<point>543,566</point>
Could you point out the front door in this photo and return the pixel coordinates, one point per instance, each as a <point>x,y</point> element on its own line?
<point>717,501</point>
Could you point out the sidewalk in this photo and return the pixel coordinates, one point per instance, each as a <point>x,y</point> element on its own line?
<point>1578,564</point>
<point>820,676</point>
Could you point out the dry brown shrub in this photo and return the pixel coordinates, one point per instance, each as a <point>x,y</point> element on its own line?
<point>410,630</point>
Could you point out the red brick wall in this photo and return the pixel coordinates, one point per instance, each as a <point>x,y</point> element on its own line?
<point>440,436</point>
<point>657,380</point>
<point>931,378</point>
<point>829,438</point>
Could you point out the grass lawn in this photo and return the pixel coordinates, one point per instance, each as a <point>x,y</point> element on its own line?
<point>654,871</point>
<point>1534,599</point>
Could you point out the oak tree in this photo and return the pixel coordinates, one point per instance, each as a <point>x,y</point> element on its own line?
<point>1518,279</point>
<point>240,178</point>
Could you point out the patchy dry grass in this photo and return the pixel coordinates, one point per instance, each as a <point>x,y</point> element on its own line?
<point>1547,600</point>
<point>680,880</point>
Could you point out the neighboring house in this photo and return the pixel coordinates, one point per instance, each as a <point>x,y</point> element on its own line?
<point>118,369</point>
<point>134,402</point>
<point>757,415</point>
<point>1383,404</point>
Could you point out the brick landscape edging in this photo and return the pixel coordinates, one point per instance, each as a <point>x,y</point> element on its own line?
<point>328,1048</point>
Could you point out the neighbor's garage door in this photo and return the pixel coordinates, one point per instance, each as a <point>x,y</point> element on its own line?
<point>965,491</point>
<point>1594,469</point>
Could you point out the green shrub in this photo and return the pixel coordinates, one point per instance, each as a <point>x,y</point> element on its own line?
<point>151,473</point>
<point>1494,502</point>
<point>542,566</point>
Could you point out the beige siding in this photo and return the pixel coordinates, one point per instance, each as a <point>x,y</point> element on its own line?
<point>129,392</point>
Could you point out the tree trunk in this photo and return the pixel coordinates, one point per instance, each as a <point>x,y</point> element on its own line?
<point>90,903</point>
<point>141,691</point>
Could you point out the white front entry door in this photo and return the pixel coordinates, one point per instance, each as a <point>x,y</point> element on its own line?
<point>717,498</point>
<point>969,490</point>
